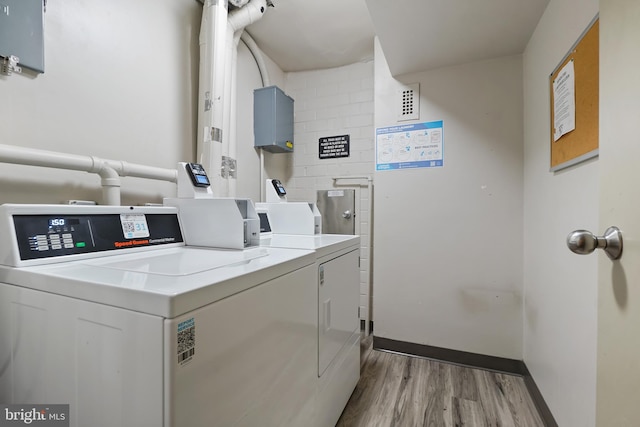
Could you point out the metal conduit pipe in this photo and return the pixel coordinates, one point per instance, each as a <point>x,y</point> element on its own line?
<point>264,75</point>
<point>257,55</point>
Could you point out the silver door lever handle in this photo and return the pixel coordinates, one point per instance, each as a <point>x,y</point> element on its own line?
<point>584,242</point>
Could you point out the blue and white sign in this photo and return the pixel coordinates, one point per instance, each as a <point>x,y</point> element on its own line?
<point>418,145</point>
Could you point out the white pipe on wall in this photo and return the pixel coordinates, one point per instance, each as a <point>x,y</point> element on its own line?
<point>142,171</point>
<point>252,12</point>
<point>211,85</point>
<point>238,20</point>
<point>110,181</point>
<point>109,177</point>
<point>223,191</point>
<point>228,104</point>
<point>218,53</point>
<point>233,109</point>
<point>109,171</point>
<point>33,157</point>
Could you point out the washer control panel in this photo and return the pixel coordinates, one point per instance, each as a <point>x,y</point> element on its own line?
<point>43,236</point>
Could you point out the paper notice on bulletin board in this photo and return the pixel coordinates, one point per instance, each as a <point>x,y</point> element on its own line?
<point>418,145</point>
<point>564,102</point>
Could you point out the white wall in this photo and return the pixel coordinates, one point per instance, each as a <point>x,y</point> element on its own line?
<point>560,287</point>
<point>448,241</point>
<point>120,83</point>
<point>330,102</point>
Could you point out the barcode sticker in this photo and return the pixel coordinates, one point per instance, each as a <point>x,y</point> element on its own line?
<point>186,339</point>
<point>186,355</point>
<point>134,226</point>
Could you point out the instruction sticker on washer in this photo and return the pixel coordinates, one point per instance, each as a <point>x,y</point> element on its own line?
<point>134,226</point>
<point>418,145</point>
<point>186,339</point>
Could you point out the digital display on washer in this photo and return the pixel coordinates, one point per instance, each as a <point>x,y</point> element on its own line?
<point>55,222</point>
<point>197,174</point>
<point>278,187</point>
<point>45,236</point>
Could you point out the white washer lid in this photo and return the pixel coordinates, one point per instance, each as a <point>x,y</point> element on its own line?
<point>164,282</point>
<point>323,244</point>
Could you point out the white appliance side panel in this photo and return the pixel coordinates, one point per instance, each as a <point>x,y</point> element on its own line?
<point>338,301</point>
<point>253,361</point>
<point>105,362</point>
<point>224,225</point>
<point>292,218</point>
<point>337,384</point>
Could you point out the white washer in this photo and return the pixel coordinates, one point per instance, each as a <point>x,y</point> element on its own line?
<point>143,331</point>
<point>338,297</point>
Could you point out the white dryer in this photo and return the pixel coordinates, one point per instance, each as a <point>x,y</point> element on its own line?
<point>338,295</point>
<point>105,309</point>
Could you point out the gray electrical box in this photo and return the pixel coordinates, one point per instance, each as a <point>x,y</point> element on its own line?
<point>22,32</point>
<point>273,120</point>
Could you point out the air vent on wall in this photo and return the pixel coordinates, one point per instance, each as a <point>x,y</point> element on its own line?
<point>409,102</point>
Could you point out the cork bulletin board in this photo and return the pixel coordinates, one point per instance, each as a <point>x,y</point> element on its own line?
<point>582,142</point>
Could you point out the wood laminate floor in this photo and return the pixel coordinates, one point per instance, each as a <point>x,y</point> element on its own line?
<point>405,391</point>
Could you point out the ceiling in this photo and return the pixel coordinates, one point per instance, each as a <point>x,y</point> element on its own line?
<point>415,35</point>
<point>303,35</point>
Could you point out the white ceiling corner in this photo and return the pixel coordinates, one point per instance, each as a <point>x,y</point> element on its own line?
<point>415,35</point>
<point>303,35</point>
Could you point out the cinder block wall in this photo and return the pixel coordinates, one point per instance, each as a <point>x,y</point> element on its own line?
<point>336,101</point>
